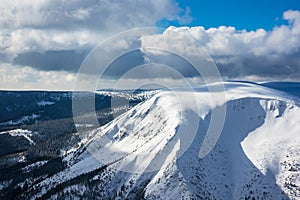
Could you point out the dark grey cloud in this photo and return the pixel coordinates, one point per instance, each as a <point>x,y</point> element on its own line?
<point>283,66</point>
<point>124,63</point>
<point>64,60</point>
<point>156,68</point>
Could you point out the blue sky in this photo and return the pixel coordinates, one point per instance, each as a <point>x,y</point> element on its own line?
<point>241,14</point>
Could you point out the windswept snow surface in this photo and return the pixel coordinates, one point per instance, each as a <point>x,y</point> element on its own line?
<point>129,94</point>
<point>21,120</point>
<point>153,149</point>
<point>20,133</point>
<point>30,167</point>
<point>45,103</point>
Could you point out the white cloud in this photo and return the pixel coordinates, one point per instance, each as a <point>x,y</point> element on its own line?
<point>229,41</point>
<point>239,53</point>
<point>93,14</point>
<point>57,24</point>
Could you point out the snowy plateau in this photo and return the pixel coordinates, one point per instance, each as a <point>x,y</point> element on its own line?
<point>153,151</point>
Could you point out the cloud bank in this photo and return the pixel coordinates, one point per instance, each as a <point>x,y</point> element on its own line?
<point>54,37</point>
<point>258,55</point>
<point>238,54</point>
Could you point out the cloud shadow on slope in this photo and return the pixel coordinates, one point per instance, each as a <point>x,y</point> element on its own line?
<point>228,152</point>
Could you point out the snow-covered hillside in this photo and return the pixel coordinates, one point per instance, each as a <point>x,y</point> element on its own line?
<point>153,151</point>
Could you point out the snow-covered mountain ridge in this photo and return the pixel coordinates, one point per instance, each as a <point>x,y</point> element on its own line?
<point>152,151</point>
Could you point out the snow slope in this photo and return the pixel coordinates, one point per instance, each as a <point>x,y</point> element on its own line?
<point>152,151</point>
<point>20,133</point>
